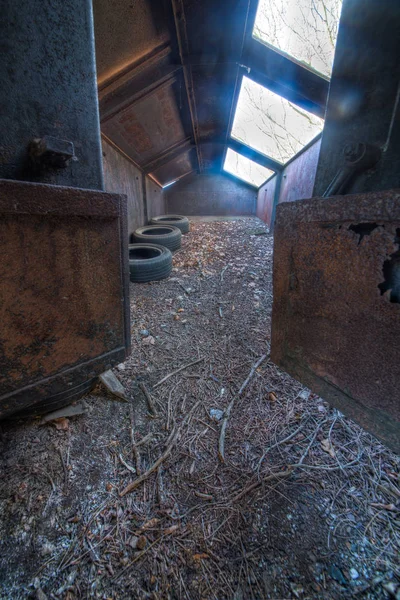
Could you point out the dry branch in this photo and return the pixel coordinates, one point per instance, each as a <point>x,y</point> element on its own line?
<point>256,484</point>
<point>172,440</point>
<point>195,362</point>
<point>221,445</point>
<point>149,399</point>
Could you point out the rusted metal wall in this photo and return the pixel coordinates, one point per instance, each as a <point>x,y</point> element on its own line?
<point>48,88</point>
<point>155,199</point>
<point>145,199</point>
<point>265,200</point>
<point>123,177</point>
<point>336,310</point>
<point>64,297</point>
<point>210,194</point>
<point>299,175</point>
<point>297,182</point>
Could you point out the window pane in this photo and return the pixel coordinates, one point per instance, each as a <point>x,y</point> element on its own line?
<point>306,30</point>
<point>246,169</point>
<point>271,124</point>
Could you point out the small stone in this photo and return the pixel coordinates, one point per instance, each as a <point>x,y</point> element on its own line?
<point>144,332</point>
<point>337,574</point>
<point>141,543</point>
<point>47,548</point>
<point>354,573</point>
<point>216,414</point>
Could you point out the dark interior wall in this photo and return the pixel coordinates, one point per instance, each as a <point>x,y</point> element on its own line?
<point>123,177</point>
<point>210,194</point>
<point>297,182</point>
<point>154,198</point>
<point>145,197</point>
<point>363,97</point>
<point>48,88</point>
<point>265,200</point>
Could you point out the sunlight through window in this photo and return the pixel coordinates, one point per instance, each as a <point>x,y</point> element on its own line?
<point>271,124</point>
<point>246,169</point>
<point>305,30</point>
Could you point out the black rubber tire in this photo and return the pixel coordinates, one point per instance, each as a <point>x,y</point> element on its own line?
<point>149,262</point>
<point>175,220</point>
<point>165,235</point>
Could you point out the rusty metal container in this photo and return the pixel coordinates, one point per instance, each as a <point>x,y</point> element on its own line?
<point>336,311</point>
<point>64,295</point>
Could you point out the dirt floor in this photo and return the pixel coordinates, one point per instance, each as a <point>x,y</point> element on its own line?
<point>304,505</point>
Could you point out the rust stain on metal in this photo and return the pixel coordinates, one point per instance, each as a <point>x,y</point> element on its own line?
<point>62,298</point>
<point>336,320</point>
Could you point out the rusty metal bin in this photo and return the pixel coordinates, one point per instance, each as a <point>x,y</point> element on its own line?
<point>64,296</point>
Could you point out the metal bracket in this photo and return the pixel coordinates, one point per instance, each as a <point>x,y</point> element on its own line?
<point>358,157</point>
<point>51,152</point>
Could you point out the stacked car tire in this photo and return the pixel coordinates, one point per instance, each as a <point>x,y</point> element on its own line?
<point>150,256</point>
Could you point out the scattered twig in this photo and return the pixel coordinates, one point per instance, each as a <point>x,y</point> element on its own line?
<point>135,451</point>
<point>149,399</point>
<point>195,362</point>
<point>221,445</point>
<point>223,271</point>
<point>137,557</point>
<point>286,439</point>
<point>131,469</point>
<point>310,444</point>
<point>173,438</point>
<point>256,484</point>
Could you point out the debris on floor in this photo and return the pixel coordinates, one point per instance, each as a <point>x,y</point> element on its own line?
<point>133,501</point>
<point>113,385</point>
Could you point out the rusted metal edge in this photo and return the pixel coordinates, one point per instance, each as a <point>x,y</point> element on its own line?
<point>344,208</point>
<point>52,200</point>
<point>124,264</point>
<point>34,395</point>
<point>383,425</point>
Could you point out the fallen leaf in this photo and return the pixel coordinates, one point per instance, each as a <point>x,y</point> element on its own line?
<point>200,556</point>
<point>61,424</point>
<point>171,529</point>
<point>150,524</point>
<point>327,447</point>
<point>148,340</point>
<point>272,397</point>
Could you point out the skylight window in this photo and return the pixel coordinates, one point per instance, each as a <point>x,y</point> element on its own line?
<point>246,169</point>
<point>305,30</point>
<point>271,124</point>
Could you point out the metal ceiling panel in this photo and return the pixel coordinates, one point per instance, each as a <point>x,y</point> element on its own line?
<point>126,31</point>
<point>177,168</point>
<point>150,126</point>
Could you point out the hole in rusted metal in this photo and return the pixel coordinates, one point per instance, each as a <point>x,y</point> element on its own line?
<point>391,273</point>
<point>363,229</point>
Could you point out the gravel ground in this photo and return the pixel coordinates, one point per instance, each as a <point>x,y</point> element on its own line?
<point>222,477</point>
